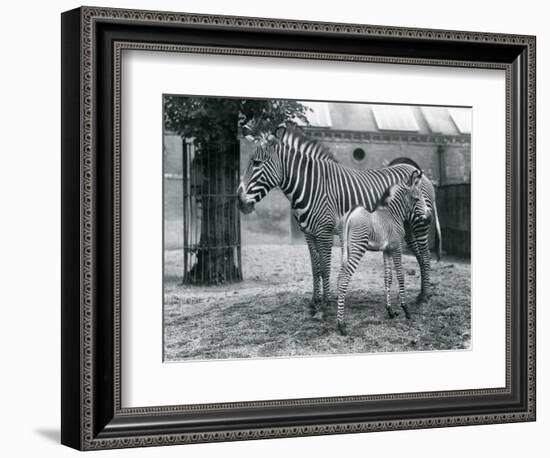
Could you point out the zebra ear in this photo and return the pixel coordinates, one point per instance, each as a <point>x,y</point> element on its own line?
<point>280,131</point>
<point>412,177</point>
<point>272,139</point>
<point>252,130</point>
<point>415,178</point>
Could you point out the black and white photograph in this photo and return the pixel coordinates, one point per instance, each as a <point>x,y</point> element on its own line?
<point>275,229</point>
<point>297,228</point>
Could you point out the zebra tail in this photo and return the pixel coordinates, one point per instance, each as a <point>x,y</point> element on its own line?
<point>438,240</point>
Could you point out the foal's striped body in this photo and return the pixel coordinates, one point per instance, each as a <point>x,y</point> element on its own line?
<point>381,230</point>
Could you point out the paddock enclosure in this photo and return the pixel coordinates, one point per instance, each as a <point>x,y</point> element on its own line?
<point>267,314</point>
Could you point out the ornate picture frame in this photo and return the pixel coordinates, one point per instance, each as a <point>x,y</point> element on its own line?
<point>93,416</point>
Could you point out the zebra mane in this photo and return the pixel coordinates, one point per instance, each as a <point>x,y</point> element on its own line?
<point>404,160</point>
<point>298,143</point>
<point>388,195</point>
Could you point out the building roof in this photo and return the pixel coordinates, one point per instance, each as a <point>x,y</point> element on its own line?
<point>389,118</point>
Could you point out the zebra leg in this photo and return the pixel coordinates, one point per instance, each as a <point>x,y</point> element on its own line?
<point>344,277</point>
<point>413,245</point>
<point>324,242</point>
<point>425,268</point>
<point>401,280</point>
<point>387,283</point>
<point>316,273</point>
<point>417,240</point>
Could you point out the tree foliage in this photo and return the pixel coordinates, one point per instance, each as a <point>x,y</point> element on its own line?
<point>217,119</point>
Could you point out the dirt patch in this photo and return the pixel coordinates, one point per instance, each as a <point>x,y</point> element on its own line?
<point>267,314</point>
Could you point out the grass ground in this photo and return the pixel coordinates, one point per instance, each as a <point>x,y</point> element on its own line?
<point>267,314</point>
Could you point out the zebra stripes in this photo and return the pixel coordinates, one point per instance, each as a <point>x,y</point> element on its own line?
<point>381,230</point>
<point>417,234</point>
<point>320,191</point>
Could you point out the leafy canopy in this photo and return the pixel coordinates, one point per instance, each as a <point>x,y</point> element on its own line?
<point>218,119</point>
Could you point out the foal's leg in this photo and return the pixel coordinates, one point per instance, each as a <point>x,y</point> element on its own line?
<point>412,243</point>
<point>387,283</point>
<point>401,280</point>
<point>344,277</point>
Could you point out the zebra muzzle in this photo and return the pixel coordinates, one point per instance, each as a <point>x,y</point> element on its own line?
<point>244,205</point>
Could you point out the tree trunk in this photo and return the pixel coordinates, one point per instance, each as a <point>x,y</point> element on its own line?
<point>218,250</point>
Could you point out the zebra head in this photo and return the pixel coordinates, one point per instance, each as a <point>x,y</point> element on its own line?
<point>418,206</point>
<point>262,174</point>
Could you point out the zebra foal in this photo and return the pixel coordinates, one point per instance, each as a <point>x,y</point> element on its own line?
<point>381,230</point>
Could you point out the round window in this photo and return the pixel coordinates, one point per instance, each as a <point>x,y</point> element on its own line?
<point>359,154</point>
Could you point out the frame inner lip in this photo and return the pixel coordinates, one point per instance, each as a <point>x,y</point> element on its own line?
<point>120,46</point>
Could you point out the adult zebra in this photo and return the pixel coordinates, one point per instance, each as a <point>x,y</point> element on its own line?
<point>320,191</point>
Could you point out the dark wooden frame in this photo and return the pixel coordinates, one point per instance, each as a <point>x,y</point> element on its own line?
<point>92,40</point>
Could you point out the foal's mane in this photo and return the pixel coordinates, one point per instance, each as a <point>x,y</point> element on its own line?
<point>389,193</point>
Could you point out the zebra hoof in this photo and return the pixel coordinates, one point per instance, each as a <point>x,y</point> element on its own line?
<point>392,314</point>
<point>422,297</point>
<point>313,305</point>
<point>407,313</point>
<point>343,329</point>
<point>320,315</point>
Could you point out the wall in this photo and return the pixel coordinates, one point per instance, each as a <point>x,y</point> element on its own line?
<point>379,154</point>
<point>173,192</point>
<point>30,237</point>
<point>455,164</point>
